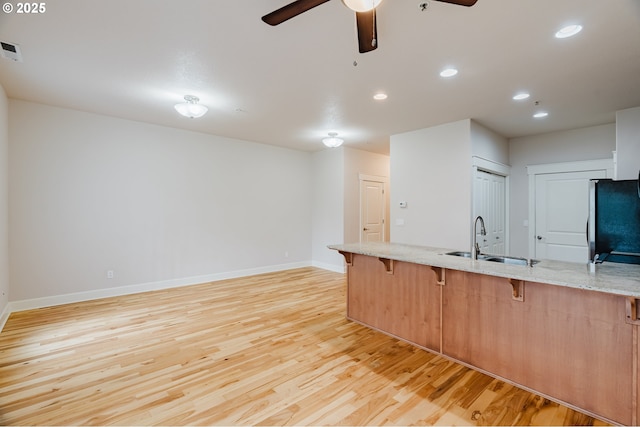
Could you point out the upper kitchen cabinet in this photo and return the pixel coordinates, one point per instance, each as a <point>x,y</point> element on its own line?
<point>627,164</point>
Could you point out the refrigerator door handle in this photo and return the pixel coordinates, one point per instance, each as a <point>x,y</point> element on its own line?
<point>587,231</point>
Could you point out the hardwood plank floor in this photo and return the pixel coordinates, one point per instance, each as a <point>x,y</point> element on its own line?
<point>272,349</point>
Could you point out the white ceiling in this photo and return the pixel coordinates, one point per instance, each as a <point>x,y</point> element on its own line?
<point>291,84</point>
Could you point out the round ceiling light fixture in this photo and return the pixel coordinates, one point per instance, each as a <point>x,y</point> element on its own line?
<point>540,115</point>
<point>361,5</point>
<point>190,108</point>
<point>380,96</point>
<point>332,141</point>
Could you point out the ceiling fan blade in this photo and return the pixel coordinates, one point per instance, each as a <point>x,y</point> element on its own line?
<point>367,31</point>
<point>291,10</point>
<point>467,3</point>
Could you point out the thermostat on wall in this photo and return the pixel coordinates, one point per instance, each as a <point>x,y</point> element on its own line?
<point>403,204</point>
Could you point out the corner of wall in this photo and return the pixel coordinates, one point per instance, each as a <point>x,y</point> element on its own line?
<point>327,217</point>
<point>431,172</point>
<point>4,207</point>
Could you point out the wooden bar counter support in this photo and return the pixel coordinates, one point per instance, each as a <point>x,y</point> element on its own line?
<point>575,346</point>
<point>518,289</point>
<point>388,264</point>
<point>440,273</point>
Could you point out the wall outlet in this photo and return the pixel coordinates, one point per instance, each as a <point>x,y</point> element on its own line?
<point>109,274</point>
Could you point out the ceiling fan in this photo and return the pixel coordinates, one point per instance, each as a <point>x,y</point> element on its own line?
<point>365,17</point>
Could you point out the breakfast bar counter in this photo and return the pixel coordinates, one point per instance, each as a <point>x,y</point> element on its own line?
<point>562,330</point>
<point>619,279</point>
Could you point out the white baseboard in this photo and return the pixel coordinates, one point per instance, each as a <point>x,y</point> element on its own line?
<point>4,316</point>
<point>330,267</point>
<point>49,301</point>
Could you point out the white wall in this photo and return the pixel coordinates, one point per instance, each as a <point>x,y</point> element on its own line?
<point>489,145</point>
<point>327,192</point>
<point>627,143</point>
<point>90,193</point>
<point>431,171</point>
<point>358,162</point>
<point>336,199</point>
<point>590,143</point>
<point>4,206</point>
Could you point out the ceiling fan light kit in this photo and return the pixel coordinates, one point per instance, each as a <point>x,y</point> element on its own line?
<point>190,108</point>
<point>361,5</point>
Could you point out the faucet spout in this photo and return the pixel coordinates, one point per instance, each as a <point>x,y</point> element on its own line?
<point>475,247</point>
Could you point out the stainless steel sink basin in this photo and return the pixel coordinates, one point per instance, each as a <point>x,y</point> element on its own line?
<point>512,260</point>
<point>467,255</point>
<point>496,258</point>
<point>460,253</point>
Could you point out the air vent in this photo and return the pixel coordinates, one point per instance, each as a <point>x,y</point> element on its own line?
<point>11,51</point>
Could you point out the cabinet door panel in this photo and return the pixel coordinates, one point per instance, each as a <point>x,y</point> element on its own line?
<point>482,325</point>
<point>573,345</point>
<point>580,348</point>
<point>405,303</point>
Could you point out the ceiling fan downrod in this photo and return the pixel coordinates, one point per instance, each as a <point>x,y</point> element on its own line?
<point>374,39</point>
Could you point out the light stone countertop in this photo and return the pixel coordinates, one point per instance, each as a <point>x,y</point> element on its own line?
<point>611,278</point>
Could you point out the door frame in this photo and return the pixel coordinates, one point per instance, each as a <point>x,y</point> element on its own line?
<point>489,166</point>
<point>385,186</point>
<point>562,167</point>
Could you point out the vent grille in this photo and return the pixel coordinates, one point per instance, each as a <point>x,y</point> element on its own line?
<point>11,51</point>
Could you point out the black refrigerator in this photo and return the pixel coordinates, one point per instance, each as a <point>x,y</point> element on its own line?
<point>613,230</point>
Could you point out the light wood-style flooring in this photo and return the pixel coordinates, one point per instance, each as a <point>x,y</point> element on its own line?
<point>272,349</point>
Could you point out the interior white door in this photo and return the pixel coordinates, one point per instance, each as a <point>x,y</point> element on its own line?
<point>489,196</point>
<point>372,211</point>
<point>561,213</point>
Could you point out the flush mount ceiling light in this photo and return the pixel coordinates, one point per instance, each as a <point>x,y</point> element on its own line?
<point>332,141</point>
<point>380,96</point>
<point>448,72</point>
<point>520,96</point>
<point>191,108</point>
<point>540,114</point>
<point>568,31</point>
<point>361,5</point>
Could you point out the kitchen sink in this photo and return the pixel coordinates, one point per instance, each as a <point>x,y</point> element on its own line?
<point>496,258</point>
<point>512,260</point>
<point>460,253</point>
<point>467,255</point>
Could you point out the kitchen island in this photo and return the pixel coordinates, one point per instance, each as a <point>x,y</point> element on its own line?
<point>557,329</point>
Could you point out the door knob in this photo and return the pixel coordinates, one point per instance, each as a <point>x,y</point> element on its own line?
<point>365,229</point>
<point>539,237</point>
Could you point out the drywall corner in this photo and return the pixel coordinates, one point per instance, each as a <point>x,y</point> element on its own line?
<point>327,216</point>
<point>4,206</point>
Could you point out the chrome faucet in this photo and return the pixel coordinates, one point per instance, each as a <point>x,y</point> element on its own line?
<point>475,248</point>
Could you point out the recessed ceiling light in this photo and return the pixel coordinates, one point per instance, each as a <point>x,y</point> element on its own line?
<point>380,96</point>
<point>448,72</point>
<point>540,114</point>
<point>520,96</point>
<point>568,31</point>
